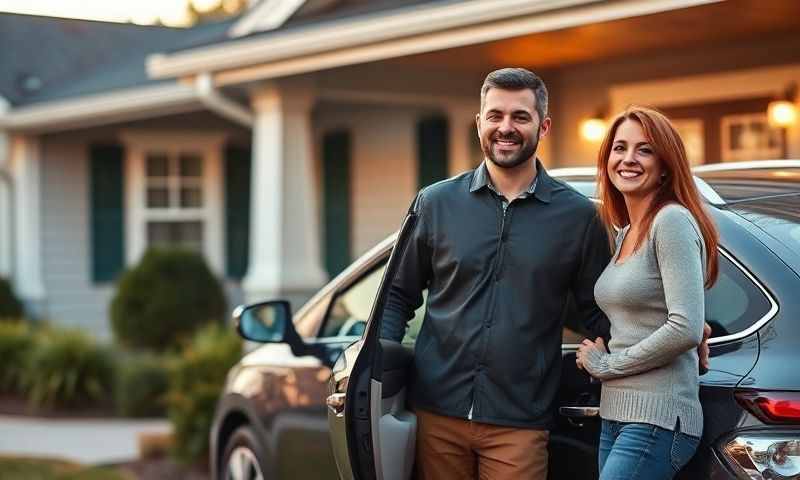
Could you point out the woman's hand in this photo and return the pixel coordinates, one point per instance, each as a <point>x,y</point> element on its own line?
<point>598,344</point>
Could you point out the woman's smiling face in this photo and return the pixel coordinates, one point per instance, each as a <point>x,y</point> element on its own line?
<point>633,166</point>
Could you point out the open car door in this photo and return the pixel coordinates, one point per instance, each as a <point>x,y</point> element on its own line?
<point>373,433</point>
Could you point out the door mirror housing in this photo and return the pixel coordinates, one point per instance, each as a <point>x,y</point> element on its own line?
<point>266,322</point>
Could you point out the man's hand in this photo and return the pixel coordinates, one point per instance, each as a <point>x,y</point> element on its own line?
<point>703,351</point>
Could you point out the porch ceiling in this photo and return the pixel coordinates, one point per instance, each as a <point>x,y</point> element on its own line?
<point>733,20</point>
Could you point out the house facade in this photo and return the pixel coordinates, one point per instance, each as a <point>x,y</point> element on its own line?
<point>284,143</point>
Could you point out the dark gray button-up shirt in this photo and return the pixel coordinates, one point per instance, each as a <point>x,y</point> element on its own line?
<point>498,281</point>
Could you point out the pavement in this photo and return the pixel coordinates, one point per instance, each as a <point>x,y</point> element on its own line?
<point>87,441</point>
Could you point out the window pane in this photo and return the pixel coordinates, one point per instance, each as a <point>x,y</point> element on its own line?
<point>191,165</point>
<point>187,235</point>
<point>157,197</point>
<point>734,302</point>
<point>350,310</point>
<point>157,165</point>
<point>191,197</point>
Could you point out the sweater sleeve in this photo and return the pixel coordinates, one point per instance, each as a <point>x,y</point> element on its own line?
<point>679,251</point>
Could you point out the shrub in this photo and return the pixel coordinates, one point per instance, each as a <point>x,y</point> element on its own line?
<point>164,299</point>
<point>67,368</point>
<point>16,344</point>
<point>196,382</point>
<point>10,306</point>
<point>141,386</point>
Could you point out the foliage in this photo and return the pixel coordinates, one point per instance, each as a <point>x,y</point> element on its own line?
<point>16,344</point>
<point>14,468</point>
<point>197,380</point>
<point>164,299</point>
<point>141,385</point>
<point>67,368</point>
<point>10,306</point>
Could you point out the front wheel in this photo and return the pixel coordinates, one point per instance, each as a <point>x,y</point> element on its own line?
<point>243,458</point>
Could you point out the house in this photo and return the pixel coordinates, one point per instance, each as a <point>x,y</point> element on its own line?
<point>285,142</point>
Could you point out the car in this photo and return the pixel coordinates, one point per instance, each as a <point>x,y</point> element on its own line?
<point>325,398</point>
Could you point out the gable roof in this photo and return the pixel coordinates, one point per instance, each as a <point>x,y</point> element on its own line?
<point>54,58</point>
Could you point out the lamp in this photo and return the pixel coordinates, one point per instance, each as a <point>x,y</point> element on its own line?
<point>593,129</point>
<point>783,113</point>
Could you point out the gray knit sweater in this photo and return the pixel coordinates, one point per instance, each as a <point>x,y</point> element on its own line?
<point>654,300</point>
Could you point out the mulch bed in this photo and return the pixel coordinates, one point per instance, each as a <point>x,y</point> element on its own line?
<point>17,405</point>
<point>164,469</point>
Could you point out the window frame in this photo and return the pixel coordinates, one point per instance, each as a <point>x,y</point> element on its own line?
<point>138,145</point>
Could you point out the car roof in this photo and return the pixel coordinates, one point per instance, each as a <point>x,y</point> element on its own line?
<point>745,181</point>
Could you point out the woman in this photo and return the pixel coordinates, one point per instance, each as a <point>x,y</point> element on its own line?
<point>652,293</point>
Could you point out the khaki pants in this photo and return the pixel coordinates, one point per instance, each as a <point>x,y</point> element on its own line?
<point>452,448</point>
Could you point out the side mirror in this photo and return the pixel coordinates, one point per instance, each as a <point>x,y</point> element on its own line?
<point>266,322</point>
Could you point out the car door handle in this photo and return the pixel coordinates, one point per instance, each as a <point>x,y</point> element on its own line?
<point>579,412</point>
<point>335,403</point>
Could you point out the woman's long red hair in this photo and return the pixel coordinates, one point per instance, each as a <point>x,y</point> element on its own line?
<point>678,185</point>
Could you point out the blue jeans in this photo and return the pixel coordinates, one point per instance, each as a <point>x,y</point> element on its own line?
<point>633,451</point>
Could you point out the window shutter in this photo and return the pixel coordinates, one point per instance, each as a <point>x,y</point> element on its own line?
<point>106,190</point>
<point>336,196</point>
<point>238,161</point>
<point>432,150</point>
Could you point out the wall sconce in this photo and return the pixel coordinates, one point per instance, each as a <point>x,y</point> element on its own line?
<point>593,129</point>
<point>783,113</point>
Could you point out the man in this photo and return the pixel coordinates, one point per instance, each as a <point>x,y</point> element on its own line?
<point>499,250</point>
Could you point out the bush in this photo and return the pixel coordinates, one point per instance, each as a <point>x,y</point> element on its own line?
<point>10,306</point>
<point>67,368</point>
<point>164,299</point>
<point>141,386</point>
<point>16,344</point>
<point>196,382</point>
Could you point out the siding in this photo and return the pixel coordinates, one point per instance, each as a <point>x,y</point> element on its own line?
<point>72,299</point>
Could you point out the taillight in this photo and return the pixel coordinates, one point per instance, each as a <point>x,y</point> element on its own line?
<point>775,407</point>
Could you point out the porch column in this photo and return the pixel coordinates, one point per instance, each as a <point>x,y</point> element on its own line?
<point>285,260</point>
<point>6,228</point>
<point>26,168</point>
<point>461,119</point>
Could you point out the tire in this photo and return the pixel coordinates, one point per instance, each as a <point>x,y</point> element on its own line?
<point>244,457</point>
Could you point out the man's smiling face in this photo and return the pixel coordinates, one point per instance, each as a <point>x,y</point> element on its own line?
<point>509,126</point>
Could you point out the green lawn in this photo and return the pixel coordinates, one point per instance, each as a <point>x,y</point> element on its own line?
<point>18,468</point>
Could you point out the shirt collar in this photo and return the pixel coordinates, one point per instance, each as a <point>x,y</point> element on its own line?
<point>541,187</point>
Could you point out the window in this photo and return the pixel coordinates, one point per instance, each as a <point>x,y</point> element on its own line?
<point>174,214</point>
<point>749,137</point>
<point>174,193</point>
<point>734,303</point>
<point>350,310</point>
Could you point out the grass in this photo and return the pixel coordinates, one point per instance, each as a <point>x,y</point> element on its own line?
<point>29,468</point>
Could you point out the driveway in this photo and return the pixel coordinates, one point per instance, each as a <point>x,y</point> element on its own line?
<point>88,441</point>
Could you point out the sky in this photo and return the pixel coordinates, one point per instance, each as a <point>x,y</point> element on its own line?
<point>144,12</point>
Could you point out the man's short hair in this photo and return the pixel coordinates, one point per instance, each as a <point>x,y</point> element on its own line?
<point>517,79</point>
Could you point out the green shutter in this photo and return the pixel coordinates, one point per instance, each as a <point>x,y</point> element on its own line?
<point>238,161</point>
<point>336,196</point>
<point>107,215</point>
<point>432,150</point>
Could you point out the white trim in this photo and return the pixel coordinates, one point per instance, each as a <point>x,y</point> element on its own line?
<point>217,102</point>
<point>267,15</point>
<point>103,108</point>
<point>26,165</point>
<point>398,33</point>
<point>138,143</point>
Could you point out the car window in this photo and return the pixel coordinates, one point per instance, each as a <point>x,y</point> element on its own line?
<point>348,314</point>
<point>734,303</point>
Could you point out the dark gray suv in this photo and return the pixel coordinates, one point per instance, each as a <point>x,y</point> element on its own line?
<point>324,398</point>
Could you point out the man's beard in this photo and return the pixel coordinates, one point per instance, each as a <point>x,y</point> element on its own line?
<point>526,150</point>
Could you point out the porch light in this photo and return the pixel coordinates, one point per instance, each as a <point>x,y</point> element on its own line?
<point>593,129</point>
<point>782,113</point>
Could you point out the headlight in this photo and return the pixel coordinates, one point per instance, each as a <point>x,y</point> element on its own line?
<point>766,455</point>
